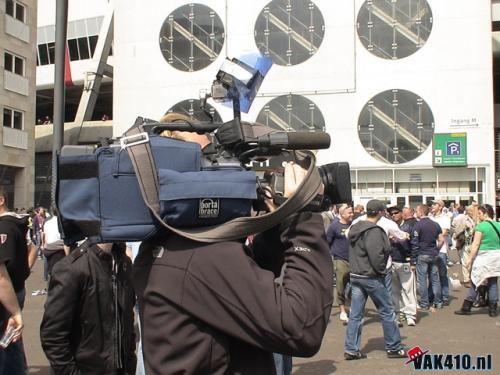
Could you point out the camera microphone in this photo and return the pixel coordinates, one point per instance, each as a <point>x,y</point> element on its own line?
<point>295,140</point>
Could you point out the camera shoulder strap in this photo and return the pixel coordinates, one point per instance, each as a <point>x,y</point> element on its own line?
<point>141,156</point>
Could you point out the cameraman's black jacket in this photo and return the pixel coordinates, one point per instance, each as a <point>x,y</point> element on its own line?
<point>90,300</point>
<point>211,309</point>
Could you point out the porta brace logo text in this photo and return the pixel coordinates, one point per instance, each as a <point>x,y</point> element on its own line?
<point>209,208</point>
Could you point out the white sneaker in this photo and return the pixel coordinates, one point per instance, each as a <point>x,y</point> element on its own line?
<point>411,322</point>
<point>344,318</point>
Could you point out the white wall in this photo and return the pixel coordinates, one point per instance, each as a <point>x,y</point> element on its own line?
<point>157,86</point>
<point>452,72</point>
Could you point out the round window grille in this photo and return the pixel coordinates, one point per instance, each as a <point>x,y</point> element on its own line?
<point>394,29</point>
<point>289,31</point>
<point>292,113</point>
<point>191,37</point>
<point>396,126</point>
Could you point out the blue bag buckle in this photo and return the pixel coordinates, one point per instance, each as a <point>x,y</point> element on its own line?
<point>133,140</point>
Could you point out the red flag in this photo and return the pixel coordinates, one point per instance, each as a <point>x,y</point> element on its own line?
<point>68,81</point>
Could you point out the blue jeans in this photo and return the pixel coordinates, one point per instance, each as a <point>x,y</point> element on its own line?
<point>424,263</point>
<point>376,288</point>
<point>492,291</point>
<point>12,360</point>
<point>283,364</point>
<point>139,370</point>
<point>443,276</point>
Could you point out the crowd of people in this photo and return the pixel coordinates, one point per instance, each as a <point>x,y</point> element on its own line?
<point>395,254</point>
<point>111,309</point>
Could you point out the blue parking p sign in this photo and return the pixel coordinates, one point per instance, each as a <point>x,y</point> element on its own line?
<point>453,148</point>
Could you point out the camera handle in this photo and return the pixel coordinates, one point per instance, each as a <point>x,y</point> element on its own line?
<point>142,160</point>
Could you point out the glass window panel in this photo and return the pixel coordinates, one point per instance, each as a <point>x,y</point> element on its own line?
<point>18,120</point>
<point>191,37</point>
<point>8,62</point>
<point>7,117</point>
<point>9,8</point>
<point>52,52</point>
<point>43,53</point>
<point>80,28</point>
<point>72,34</point>
<point>50,33</point>
<point>19,65</point>
<point>93,25</point>
<point>83,46</point>
<point>73,50</point>
<point>289,31</point>
<point>93,43</point>
<point>20,10</point>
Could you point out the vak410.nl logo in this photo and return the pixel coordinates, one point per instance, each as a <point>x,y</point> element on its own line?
<point>423,360</point>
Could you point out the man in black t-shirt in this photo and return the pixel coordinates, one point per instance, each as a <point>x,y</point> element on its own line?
<point>16,259</point>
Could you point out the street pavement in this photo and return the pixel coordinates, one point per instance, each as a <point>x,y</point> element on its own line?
<point>439,332</point>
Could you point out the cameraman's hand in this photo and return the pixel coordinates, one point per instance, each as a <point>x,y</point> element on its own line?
<point>294,174</point>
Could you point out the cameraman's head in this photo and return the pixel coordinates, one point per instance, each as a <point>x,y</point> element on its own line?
<point>201,139</point>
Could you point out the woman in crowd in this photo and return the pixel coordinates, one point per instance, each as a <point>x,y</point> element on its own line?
<point>484,261</point>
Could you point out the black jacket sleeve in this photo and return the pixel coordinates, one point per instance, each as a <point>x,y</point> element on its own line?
<point>228,290</point>
<point>61,308</point>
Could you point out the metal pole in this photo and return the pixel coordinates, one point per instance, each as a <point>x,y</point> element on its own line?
<point>59,89</point>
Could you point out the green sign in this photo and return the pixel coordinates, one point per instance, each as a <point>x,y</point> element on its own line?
<point>449,150</point>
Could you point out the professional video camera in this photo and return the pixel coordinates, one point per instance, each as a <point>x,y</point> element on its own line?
<point>237,143</point>
<point>203,194</point>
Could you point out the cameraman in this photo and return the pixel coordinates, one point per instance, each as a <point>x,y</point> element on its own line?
<point>213,309</point>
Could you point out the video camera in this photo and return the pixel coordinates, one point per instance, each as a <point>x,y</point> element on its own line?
<point>203,194</point>
<point>237,143</point>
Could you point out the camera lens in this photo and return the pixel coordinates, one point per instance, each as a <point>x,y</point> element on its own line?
<point>337,180</point>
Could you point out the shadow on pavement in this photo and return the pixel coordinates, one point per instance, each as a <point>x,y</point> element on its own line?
<point>376,343</point>
<point>323,367</point>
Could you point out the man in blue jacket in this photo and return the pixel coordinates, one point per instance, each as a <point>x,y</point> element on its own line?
<point>426,242</point>
<point>368,256</point>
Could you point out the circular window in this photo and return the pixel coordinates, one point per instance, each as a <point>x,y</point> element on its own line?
<point>289,31</point>
<point>191,107</point>
<point>292,113</point>
<point>396,126</point>
<point>191,37</point>
<point>394,29</point>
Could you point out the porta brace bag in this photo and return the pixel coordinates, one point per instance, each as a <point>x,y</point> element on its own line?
<point>98,194</point>
<point>99,197</point>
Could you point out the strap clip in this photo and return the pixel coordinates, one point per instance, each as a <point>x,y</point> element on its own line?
<point>133,140</point>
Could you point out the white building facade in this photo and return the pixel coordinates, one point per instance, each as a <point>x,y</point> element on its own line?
<point>383,78</point>
<point>17,100</point>
<point>397,84</point>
